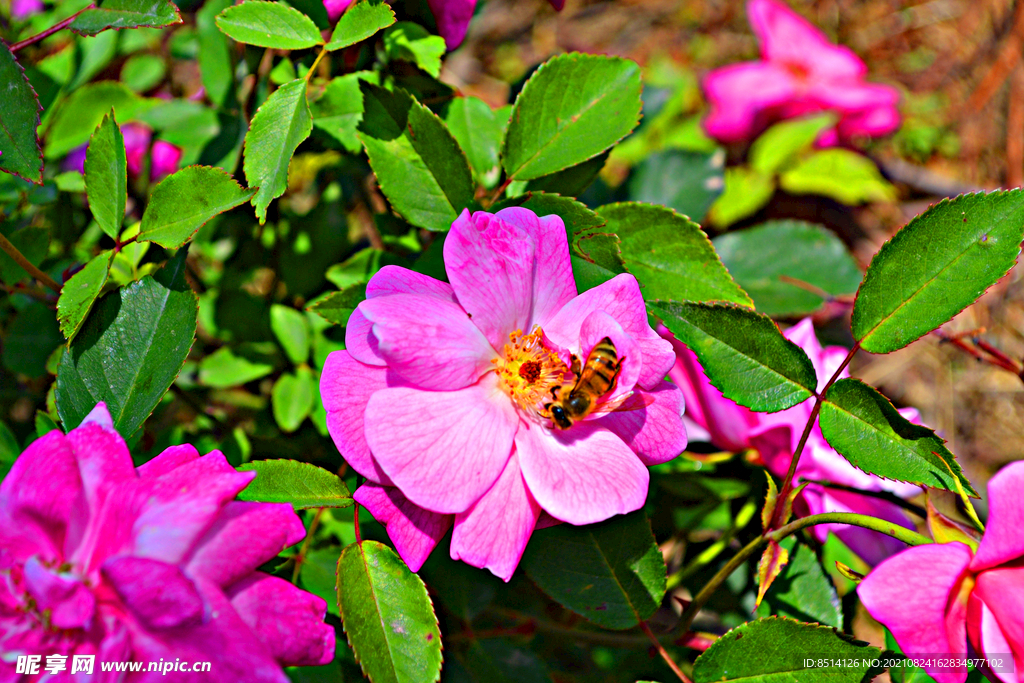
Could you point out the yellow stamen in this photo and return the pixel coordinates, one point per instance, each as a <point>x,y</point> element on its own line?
<point>528,370</point>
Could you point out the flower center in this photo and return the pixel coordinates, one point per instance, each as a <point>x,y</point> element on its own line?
<point>528,370</point>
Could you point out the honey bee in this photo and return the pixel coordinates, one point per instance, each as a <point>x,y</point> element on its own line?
<point>575,400</point>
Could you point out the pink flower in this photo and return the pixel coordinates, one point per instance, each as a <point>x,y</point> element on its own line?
<point>775,437</point>
<point>947,598</point>
<point>800,72</point>
<point>22,9</point>
<point>164,157</point>
<point>335,8</point>
<point>453,18</point>
<point>439,398</point>
<point>99,557</point>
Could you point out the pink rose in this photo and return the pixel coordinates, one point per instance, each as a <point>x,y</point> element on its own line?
<point>945,599</point>
<point>22,9</point>
<point>335,8</point>
<point>100,557</point>
<point>439,398</point>
<point>775,436</point>
<point>800,72</point>
<point>453,18</point>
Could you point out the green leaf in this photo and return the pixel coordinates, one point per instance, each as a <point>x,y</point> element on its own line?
<point>779,146</point>
<point>143,72</point>
<point>278,128</point>
<point>216,65</point>
<point>83,111</point>
<point>129,350</point>
<point>79,293</point>
<point>19,119</point>
<point>936,266</point>
<point>842,174</point>
<point>572,108</point>
<point>746,191</point>
<point>670,255</point>
<point>300,484</point>
<point>743,353</point>
<point>688,182</point>
<point>388,616</point>
<point>184,201</point>
<point>119,14</point>
<point>339,109</point>
<point>775,649</point>
<point>106,176</point>
<point>802,591</point>
<point>412,43</point>
<point>318,574</point>
<point>478,129</point>
<point>30,339</point>
<point>568,182</point>
<point>868,431</point>
<point>336,307</point>
<point>611,573</point>
<point>418,163</point>
<point>9,450</point>
<point>359,22</point>
<point>292,331</point>
<point>764,257</point>
<point>223,368</point>
<point>292,398</point>
<point>269,24</point>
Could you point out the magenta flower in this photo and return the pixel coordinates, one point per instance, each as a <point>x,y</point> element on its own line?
<point>453,18</point>
<point>22,9</point>
<point>99,557</point>
<point>800,72</point>
<point>335,8</point>
<point>947,598</point>
<point>439,398</point>
<point>164,157</point>
<point>775,436</point>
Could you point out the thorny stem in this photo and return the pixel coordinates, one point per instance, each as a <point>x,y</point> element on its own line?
<point>316,61</point>
<point>501,188</point>
<point>300,559</point>
<point>787,484</point>
<point>664,653</point>
<point>20,259</point>
<point>987,353</point>
<point>888,528</point>
<point>48,32</point>
<point>881,495</point>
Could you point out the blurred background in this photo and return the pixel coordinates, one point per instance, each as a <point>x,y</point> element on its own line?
<point>959,69</point>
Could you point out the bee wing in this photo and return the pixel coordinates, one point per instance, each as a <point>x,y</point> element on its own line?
<point>630,401</point>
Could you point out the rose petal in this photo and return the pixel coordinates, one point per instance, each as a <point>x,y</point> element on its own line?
<point>1003,540</point>
<point>177,602</point>
<point>620,298</point>
<point>915,610</point>
<point>427,341</point>
<point>346,386</point>
<point>360,341</point>
<point>169,459</point>
<point>288,621</point>
<point>397,280</point>
<point>582,475</point>
<point>414,530</point>
<point>1002,591</point>
<point>70,603</point>
<point>738,92</point>
<point>788,38</point>
<point>490,263</point>
<point>493,533</point>
<point>553,283</point>
<point>442,449</point>
<point>656,432</point>
<point>244,536</point>
<point>452,19</point>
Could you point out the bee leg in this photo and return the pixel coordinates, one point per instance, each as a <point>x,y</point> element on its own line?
<point>575,367</point>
